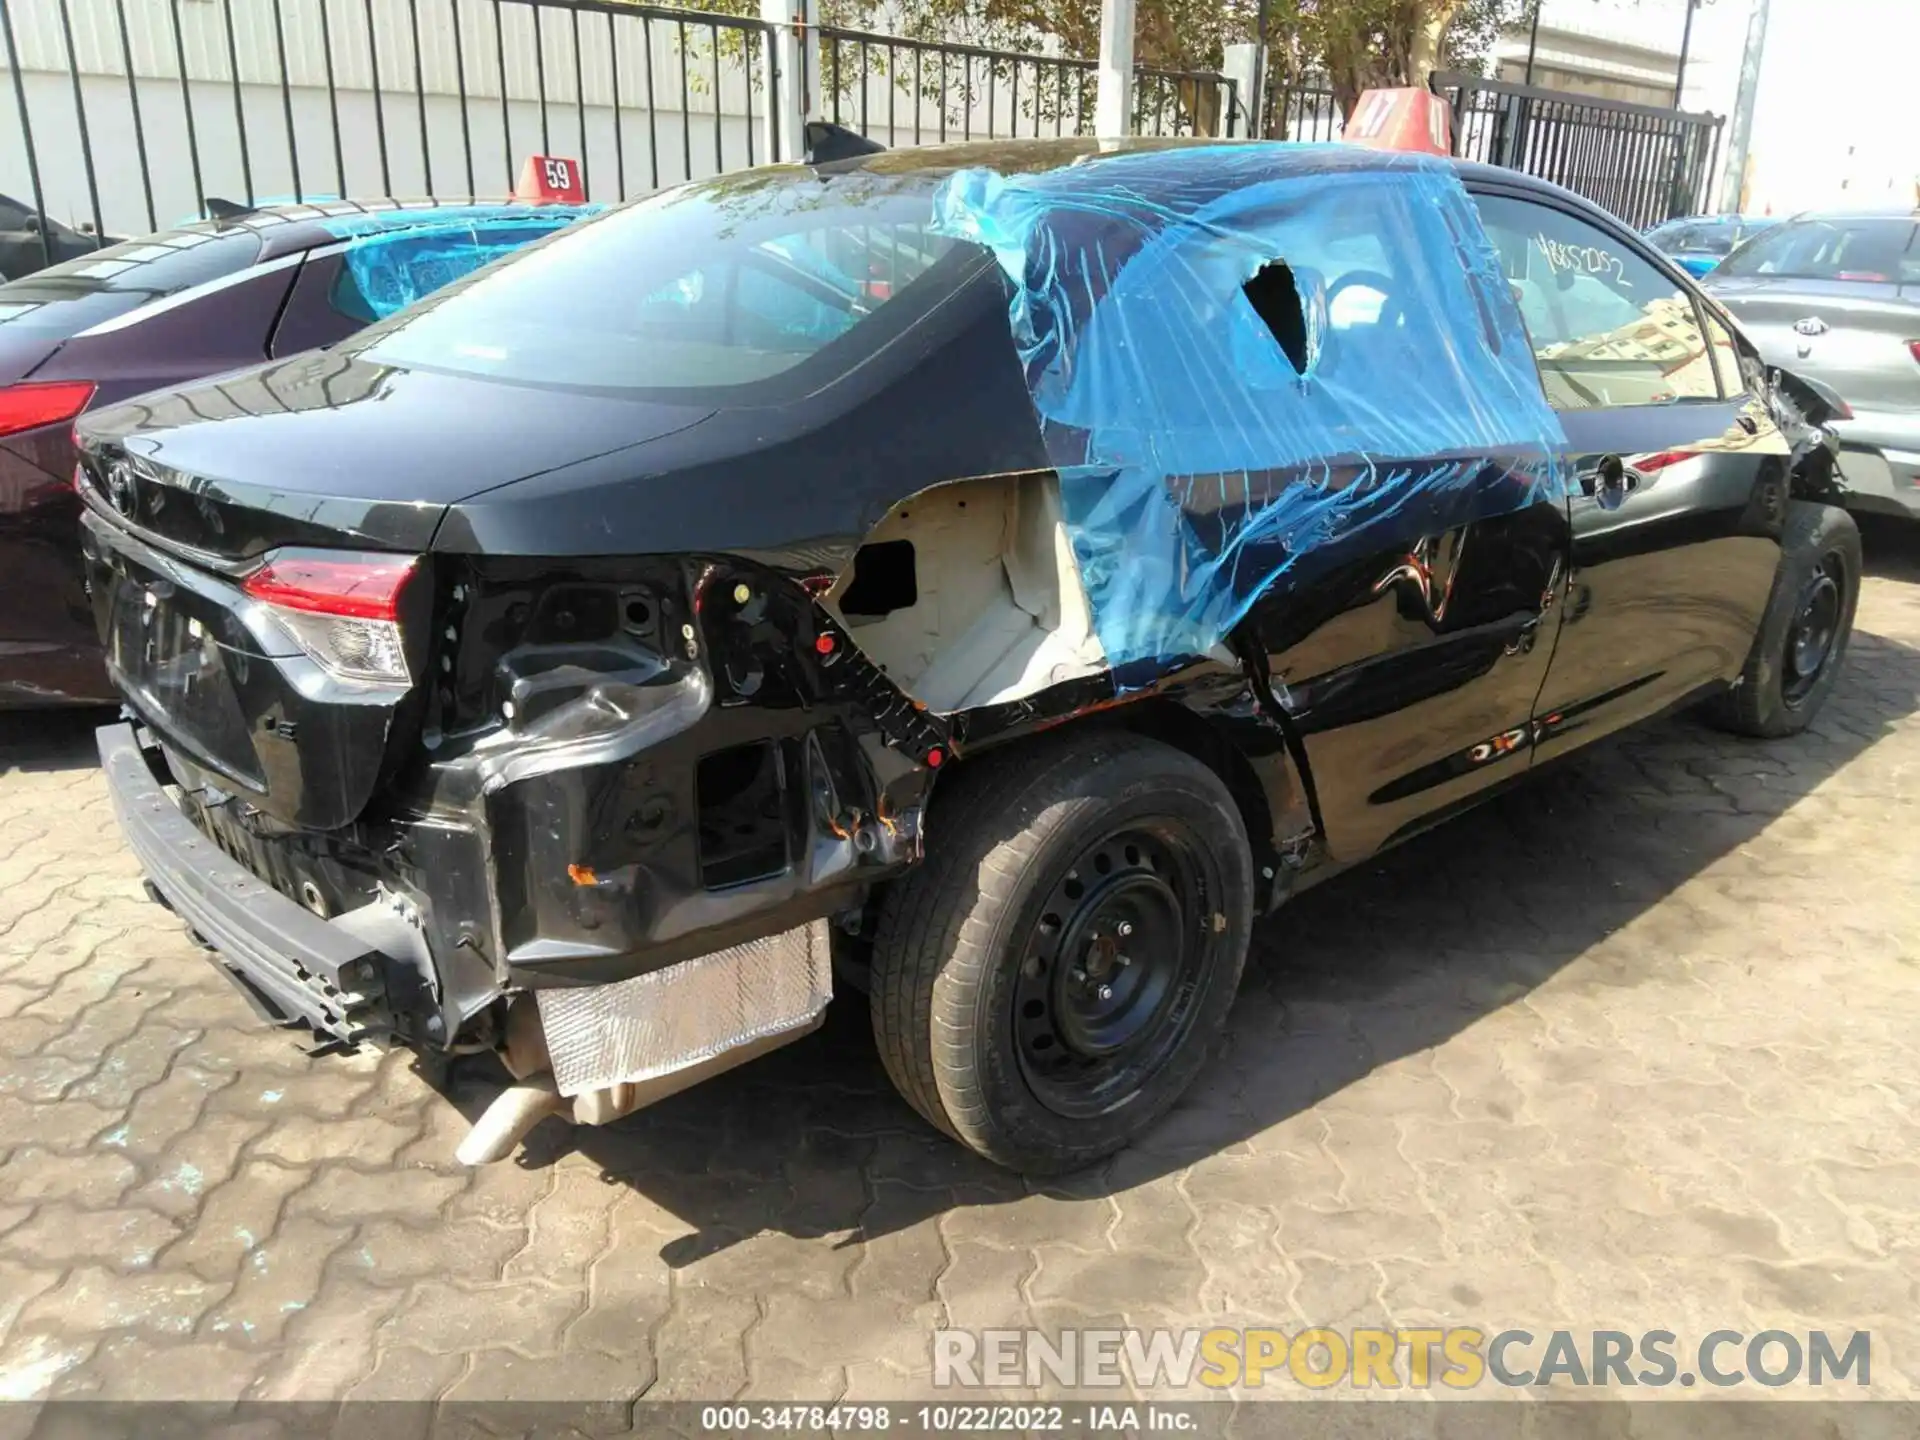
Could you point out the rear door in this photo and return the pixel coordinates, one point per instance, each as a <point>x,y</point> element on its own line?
<point>1409,670</point>
<point>1680,475</point>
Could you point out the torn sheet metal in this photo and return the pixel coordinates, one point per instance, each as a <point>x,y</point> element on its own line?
<point>393,268</point>
<point>1198,465</point>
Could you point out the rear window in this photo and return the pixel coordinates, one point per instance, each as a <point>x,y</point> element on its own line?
<point>75,295</point>
<point>1869,248</point>
<point>715,285</point>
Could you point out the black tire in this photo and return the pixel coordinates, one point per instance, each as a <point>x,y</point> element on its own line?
<point>1803,637</point>
<point>980,952</point>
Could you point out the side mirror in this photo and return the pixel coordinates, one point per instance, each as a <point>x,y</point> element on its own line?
<point>32,227</point>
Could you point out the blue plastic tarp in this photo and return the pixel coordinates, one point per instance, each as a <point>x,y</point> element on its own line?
<point>392,265</point>
<point>1199,467</point>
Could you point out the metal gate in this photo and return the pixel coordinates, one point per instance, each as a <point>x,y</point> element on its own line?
<point>1643,163</point>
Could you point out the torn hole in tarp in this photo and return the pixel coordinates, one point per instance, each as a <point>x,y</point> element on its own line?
<point>1276,300</point>
<point>1211,440</point>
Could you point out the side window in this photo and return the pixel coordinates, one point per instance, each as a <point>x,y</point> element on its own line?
<point>1608,329</point>
<point>1726,356</point>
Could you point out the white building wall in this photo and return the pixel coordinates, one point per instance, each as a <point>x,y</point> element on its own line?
<point>674,122</point>
<point>683,90</point>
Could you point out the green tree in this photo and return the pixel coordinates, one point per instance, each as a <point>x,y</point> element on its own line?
<point>1351,45</point>
<point>1362,44</point>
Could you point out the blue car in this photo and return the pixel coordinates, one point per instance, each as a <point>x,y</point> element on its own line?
<point>1697,243</point>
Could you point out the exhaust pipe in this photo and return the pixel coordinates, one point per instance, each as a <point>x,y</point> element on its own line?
<point>505,1122</point>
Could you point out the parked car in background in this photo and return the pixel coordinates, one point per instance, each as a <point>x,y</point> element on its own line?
<point>1836,298</point>
<point>175,306</point>
<point>29,243</point>
<point>933,557</point>
<point>1697,243</point>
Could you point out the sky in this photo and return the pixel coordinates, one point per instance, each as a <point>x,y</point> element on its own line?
<point>1833,121</point>
<point>1833,125</point>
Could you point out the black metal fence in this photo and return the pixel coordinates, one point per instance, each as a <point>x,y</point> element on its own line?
<point>285,99</point>
<point>1300,108</point>
<point>131,114</point>
<point>1643,163</point>
<point>899,90</point>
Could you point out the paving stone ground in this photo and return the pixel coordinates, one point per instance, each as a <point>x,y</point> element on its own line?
<point>1631,1047</point>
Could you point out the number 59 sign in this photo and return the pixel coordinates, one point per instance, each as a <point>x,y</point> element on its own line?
<point>551,178</point>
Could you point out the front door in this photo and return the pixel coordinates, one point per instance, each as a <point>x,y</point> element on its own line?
<point>1680,474</point>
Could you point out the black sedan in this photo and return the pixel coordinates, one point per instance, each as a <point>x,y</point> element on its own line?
<point>986,578</point>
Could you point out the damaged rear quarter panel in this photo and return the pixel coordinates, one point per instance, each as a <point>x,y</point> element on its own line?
<point>652,759</point>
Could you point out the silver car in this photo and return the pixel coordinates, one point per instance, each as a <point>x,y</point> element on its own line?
<point>1836,298</point>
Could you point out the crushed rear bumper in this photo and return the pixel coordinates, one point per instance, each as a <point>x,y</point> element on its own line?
<point>297,968</point>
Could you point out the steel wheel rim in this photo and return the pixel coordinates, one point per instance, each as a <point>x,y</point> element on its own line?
<point>1815,628</point>
<point>1110,970</point>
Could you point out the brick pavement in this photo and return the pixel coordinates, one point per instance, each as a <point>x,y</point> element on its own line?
<point>1632,1046</point>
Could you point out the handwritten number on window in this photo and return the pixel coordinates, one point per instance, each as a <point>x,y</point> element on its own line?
<point>1581,260</point>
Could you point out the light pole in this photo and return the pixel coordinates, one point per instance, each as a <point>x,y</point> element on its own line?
<point>1740,134</point>
<point>1257,117</point>
<point>1686,40</point>
<point>1533,39</point>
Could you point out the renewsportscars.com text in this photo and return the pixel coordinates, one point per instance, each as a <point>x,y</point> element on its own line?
<point>1457,1358</point>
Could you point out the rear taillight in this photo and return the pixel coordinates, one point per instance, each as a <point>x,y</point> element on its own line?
<point>47,402</point>
<point>343,608</point>
<point>1913,348</point>
<point>1660,460</point>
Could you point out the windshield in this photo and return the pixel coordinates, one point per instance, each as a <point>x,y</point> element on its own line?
<point>75,295</point>
<point>1878,249</point>
<point>718,284</point>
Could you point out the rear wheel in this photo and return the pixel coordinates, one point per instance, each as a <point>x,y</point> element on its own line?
<point>1803,636</point>
<point>1053,975</point>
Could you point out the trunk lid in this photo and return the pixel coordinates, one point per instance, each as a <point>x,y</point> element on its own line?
<point>327,448</point>
<point>193,495</point>
<point>1852,335</point>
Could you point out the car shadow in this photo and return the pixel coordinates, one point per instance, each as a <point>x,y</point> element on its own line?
<point>51,740</point>
<point>1892,547</point>
<point>1386,960</point>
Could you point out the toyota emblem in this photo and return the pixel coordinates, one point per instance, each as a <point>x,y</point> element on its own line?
<point>1812,325</point>
<point>121,489</point>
